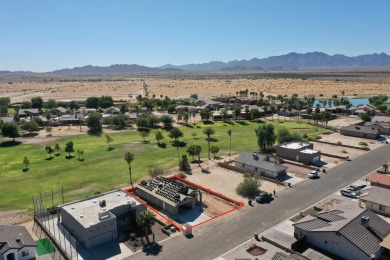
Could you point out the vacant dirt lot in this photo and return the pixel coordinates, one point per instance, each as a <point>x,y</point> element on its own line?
<point>297,171</point>
<point>224,181</point>
<point>344,121</point>
<point>215,205</point>
<point>181,84</point>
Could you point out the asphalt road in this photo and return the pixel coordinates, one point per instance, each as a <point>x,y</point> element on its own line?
<point>220,235</point>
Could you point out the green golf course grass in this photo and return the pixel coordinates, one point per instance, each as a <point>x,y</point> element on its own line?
<point>104,170</point>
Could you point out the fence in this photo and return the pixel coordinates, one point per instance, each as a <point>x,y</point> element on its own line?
<point>45,216</point>
<point>342,145</point>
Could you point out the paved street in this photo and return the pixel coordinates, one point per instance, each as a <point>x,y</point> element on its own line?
<point>218,236</point>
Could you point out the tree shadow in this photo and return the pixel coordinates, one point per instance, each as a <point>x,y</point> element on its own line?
<point>110,149</point>
<point>162,145</point>
<point>189,126</point>
<point>26,170</point>
<point>208,122</point>
<point>214,140</point>
<point>229,123</point>
<point>205,171</point>
<point>9,143</point>
<point>152,249</point>
<point>144,130</point>
<point>57,154</point>
<point>259,121</point>
<point>94,133</point>
<point>49,159</point>
<point>30,134</point>
<point>81,160</point>
<point>242,123</point>
<point>146,142</point>
<point>178,143</point>
<point>69,157</point>
<point>198,126</point>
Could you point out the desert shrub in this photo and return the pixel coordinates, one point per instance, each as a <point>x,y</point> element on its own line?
<point>366,148</point>
<point>339,143</point>
<point>317,137</point>
<point>249,187</point>
<point>154,172</point>
<point>343,151</point>
<point>181,175</point>
<point>304,136</point>
<point>363,143</point>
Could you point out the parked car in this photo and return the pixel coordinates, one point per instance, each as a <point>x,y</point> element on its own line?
<point>263,197</point>
<point>313,174</point>
<point>350,192</point>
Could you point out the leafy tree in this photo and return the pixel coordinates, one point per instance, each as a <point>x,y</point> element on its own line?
<point>144,134</point>
<point>129,158</point>
<point>26,162</point>
<point>5,101</point>
<point>255,113</point>
<point>50,104</point>
<point>94,122</point>
<point>142,122</point>
<point>109,140</point>
<point>284,136</point>
<point>145,221</point>
<point>237,113</point>
<point>171,109</point>
<point>63,104</point>
<point>49,150</point>
<point>186,117</point>
<point>159,136</point>
<point>148,103</point>
<point>194,150</point>
<point>30,127</point>
<point>265,136</point>
<point>153,120</point>
<point>69,148</point>
<point>26,105</point>
<point>80,153</point>
<point>214,150</point>
<point>57,148</point>
<point>385,167</point>
<point>167,121</point>
<point>184,164</point>
<point>92,102</point>
<point>249,187</point>
<point>106,101</point>
<point>3,110</point>
<point>205,115</point>
<point>175,134</point>
<point>208,131</point>
<point>119,121</point>
<point>74,105</point>
<point>38,120</point>
<point>194,96</point>
<point>366,118</point>
<point>229,132</point>
<point>37,102</point>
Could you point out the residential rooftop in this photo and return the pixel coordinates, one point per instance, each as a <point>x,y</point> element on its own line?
<point>88,211</point>
<point>14,237</point>
<point>294,145</point>
<point>309,151</point>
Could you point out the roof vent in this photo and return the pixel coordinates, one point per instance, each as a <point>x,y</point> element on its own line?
<point>81,216</point>
<point>365,221</point>
<point>102,203</point>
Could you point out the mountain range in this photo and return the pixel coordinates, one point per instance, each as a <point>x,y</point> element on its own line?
<point>290,61</point>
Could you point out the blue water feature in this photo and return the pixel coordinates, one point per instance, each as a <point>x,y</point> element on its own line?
<point>354,102</point>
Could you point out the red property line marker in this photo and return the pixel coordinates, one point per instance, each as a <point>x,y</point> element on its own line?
<point>238,203</point>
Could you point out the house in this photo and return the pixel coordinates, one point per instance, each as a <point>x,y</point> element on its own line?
<point>353,234</point>
<point>7,119</point>
<point>31,112</point>
<point>298,151</point>
<point>383,127</point>
<point>16,243</point>
<point>288,113</point>
<point>365,110</point>
<point>70,119</point>
<point>59,111</point>
<point>111,111</point>
<point>207,104</point>
<point>377,200</point>
<point>168,194</point>
<point>380,180</point>
<point>381,119</point>
<point>188,109</point>
<point>369,132</point>
<point>264,165</point>
<point>96,220</point>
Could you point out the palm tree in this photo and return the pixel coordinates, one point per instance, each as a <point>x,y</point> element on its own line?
<point>49,150</point>
<point>385,167</point>
<point>208,131</point>
<point>145,221</point>
<point>109,140</point>
<point>129,157</point>
<point>80,153</point>
<point>229,132</point>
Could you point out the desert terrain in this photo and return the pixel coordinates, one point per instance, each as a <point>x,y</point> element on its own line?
<point>205,84</point>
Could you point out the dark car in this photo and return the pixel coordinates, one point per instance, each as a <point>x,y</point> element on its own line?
<point>263,197</point>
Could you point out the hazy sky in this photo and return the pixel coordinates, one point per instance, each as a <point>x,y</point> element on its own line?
<point>41,35</point>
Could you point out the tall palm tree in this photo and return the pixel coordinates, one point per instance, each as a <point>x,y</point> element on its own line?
<point>229,132</point>
<point>129,157</point>
<point>146,220</point>
<point>385,167</point>
<point>208,131</point>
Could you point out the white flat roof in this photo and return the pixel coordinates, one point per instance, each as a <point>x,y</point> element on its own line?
<point>294,145</point>
<point>86,211</point>
<point>309,151</point>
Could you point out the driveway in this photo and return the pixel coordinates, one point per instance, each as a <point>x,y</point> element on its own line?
<point>213,239</point>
